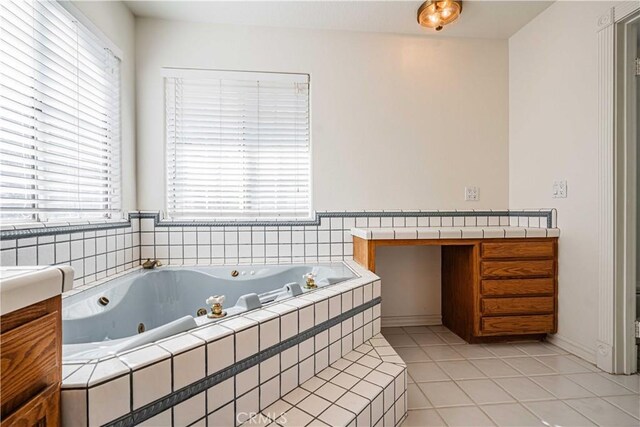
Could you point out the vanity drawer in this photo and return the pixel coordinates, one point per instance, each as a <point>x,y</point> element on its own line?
<point>30,360</point>
<point>516,287</point>
<point>522,305</point>
<point>40,410</point>
<point>544,249</point>
<point>520,268</point>
<point>517,325</point>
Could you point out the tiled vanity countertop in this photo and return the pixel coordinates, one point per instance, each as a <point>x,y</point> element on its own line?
<point>408,233</point>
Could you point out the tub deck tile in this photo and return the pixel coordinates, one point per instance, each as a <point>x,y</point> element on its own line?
<point>351,390</point>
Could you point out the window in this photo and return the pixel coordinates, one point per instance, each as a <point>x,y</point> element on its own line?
<point>237,144</point>
<point>59,117</point>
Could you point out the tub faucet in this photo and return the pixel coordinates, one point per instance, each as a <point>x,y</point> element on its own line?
<point>310,279</point>
<point>150,265</point>
<point>216,306</point>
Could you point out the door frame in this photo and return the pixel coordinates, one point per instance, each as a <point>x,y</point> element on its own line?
<point>616,350</point>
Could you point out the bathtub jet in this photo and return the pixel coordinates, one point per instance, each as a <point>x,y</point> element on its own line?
<point>107,319</point>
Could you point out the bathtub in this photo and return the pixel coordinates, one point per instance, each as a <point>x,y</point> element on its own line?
<point>147,305</point>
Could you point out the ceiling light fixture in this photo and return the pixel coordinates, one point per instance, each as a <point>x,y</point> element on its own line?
<point>436,14</point>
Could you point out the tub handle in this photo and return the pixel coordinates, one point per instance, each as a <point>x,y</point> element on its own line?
<point>215,302</point>
<point>310,280</point>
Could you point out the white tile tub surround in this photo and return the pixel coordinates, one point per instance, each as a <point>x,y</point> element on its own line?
<point>359,389</point>
<point>144,375</point>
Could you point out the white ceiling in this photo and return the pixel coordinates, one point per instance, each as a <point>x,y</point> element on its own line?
<point>480,18</point>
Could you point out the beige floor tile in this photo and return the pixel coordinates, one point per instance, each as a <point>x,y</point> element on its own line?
<point>423,418</point>
<point>510,384</point>
<point>470,416</point>
<point>630,403</point>
<point>438,328</point>
<point>461,370</point>
<point>505,350</point>
<point>556,413</point>
<point>563,364</point>
<point>599,385</point>
<point>399,340</point>
<point>588,365</point>
<point>561,386</point>
<point>412,354</point>
<point>417,399</point>
<point>529,366</point>
<point>539,349</point>
<point>495,368</point>
<point>511,414</point>
<point>426,371</point>
<point>442,352</point>
<point>427,339</point>
<point>523,389</point>
<point>474,351</point>
<point>392,331</point>
<point>450,338</point>
<point>632,382</point>
<point>484,391</point>
<point>602,412</point>
<point>417,329</point>
<point>445,393</point>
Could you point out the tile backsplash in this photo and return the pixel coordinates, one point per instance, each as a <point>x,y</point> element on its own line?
<point>99,250</point>
<point>93,253</point>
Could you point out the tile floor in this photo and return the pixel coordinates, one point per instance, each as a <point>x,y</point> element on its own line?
<point>517,384</point>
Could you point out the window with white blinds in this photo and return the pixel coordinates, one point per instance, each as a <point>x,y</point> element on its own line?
<point>237,144</point>
<point>59,117</point>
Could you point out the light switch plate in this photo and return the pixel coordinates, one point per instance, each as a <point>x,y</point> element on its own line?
<point>560,189</point>
<point>471,194</point>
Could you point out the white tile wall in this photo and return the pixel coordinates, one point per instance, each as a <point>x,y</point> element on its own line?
<point>96,254</point>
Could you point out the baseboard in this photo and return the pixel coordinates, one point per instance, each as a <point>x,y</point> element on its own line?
<point>419,320</point>
<point>573,347</point>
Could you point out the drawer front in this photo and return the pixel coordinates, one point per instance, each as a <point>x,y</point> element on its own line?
<point>516,287</point>
<point>543,249</point>
<point>522,305</point>
<point>41,410</point>
<point>29,356</point>
<point>520,268</point>
<point>517,325</point>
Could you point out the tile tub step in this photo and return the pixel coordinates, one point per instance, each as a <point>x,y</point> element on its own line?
<point>367,387</point>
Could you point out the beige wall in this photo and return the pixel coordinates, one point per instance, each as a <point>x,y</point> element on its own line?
<point>411,284</point>
<point>553,135</point>
<point>398,122</point>
<point>117,23</point>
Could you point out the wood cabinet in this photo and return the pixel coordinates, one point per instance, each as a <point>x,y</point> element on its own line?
<point>31,370</point>
<point>492,289</point>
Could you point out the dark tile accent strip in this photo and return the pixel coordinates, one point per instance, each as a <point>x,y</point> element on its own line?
<point>158,222</point>
<point>61,229</point>
<point>154,408</point>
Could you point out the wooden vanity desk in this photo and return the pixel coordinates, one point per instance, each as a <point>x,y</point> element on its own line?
<point>498,283</point>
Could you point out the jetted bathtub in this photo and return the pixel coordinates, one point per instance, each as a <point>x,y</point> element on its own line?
<point>147,305</point>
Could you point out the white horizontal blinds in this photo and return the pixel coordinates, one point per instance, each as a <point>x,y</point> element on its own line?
<point>59,117</point>
<point>237,144</point>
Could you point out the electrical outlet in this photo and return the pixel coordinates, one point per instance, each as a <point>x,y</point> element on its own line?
<point>471,194</point>
<point>560,189</point>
